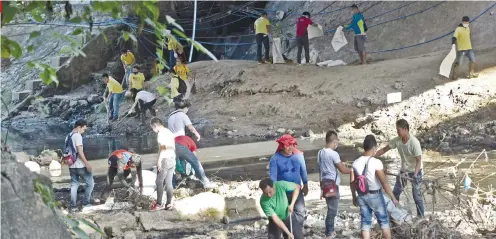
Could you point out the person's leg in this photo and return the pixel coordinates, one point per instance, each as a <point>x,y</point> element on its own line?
<point>366,215</point>
<point>398,187</point>
<point>300,46</point>
<point>377,203</point>
<point>111,107</point>
<point>185,154</point>
<point>417,194</point>
<point>188,89</point>
<point>306,45</point>
<point>149,106</point>
<point>88,189</point>
<point>111,173</point>
<point>274,232</point>
<point>168,183</point>
<point>259,47</point>
<point>267,47</point>
<point>115,106</point>
<point>74,186</point>
<point>299,208</point>
<point>172,59</point>
<point>297,230</point>
<point>332,211</point>
<point>472,65</point>
<point>159,182</point>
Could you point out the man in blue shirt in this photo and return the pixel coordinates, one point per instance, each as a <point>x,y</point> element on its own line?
<point>359,28</point>
<point>288,164</point>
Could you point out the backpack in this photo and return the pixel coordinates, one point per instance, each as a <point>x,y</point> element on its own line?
<point>362,186</point>
<point>182,88</point>
<point>70,153</point>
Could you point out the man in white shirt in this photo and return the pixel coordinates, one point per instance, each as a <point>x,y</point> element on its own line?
<point>145,100</point>
<point>329,164</point>
<point>179,120</point>
<point>81,167</point>
<point>166,163</point>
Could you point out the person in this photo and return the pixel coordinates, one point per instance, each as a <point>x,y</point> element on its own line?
<point>128,60</point>
<point>359,27</point>
<point>329,163</point>
<point>288,164</point>
<point>120,163</point>
<point>302,24</point>
<point>166,163</point>
<point>462,39</point>
<point>114,97</point>
<point>81,167</point>
<point>145,100</point>
<point>175,50</point>
<point>182,70</point>
<point>373,200</point>
<point>179,120</point>
<point>410,153</point>
<point>184,154</point>
<point>262,30</point>
<point>274,203</point>
<point>136,79</point>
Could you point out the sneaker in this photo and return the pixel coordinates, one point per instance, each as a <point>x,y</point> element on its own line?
<point>332,236</point>
<point>74,210</point>
<point>156,207</point>
<point>114,119</point>
<point>209,186</point>
<point>260,62</point>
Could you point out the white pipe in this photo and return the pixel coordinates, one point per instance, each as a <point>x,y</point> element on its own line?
<point>194,31</point>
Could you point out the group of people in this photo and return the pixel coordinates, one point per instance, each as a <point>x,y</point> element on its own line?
<point>176,150</point>
<point>283,192</point>
<point>461,38</point>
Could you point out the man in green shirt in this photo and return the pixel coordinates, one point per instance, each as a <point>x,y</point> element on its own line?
<point>274,203</point>
<point>410,153</point>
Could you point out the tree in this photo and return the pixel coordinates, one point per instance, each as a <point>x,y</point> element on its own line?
<point>42,11</point>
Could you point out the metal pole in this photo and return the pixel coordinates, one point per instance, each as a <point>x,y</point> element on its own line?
<point>194,31</point>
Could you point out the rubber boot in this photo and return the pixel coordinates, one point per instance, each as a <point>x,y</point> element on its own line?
<point>471,67</point>
<point>454,71</point>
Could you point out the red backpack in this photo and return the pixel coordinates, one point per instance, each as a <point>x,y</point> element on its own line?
<point>70,153</point>
<point>362,186</point>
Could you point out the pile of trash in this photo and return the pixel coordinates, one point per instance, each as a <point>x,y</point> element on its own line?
<point>425,228</point>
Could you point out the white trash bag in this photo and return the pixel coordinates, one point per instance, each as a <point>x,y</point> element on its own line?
<point>339,39</point>
<point>277,51</point>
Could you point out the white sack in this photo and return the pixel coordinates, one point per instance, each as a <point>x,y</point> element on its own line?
<point>445,68</point>
<point>339,39</point>
<point>277,51</point>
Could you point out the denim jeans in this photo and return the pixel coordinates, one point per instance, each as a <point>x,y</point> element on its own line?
<point>88,189</point>
<point>274,232</point>
<point>172,59</point>
<point>299,208</point>
<point>262,39</point>
<point>469,53</point>
<point>332,211</point>
<point>373,202</point>
<point>115,101</point>
<point>417,194</point>
<point>125,82</point>
<point>184,154</point>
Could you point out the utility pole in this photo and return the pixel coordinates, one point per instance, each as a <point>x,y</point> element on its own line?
<point>192,48</point>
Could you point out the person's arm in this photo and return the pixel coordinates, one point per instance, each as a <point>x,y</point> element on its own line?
<point>269,27</point>
<point>294,197</point>
<point>417,152</point>
<point>418,162</point>
<point>382,151</point>
<point>79,149</point>
<point>385,185</point>
<point>273,169</point>
<point>280,224</point>
<point>134,105</point>
<point>353,188</point>
<point>303,173</point>
<point>134,58</point>
<point>193,130</point>
<point>360,26</point>
<point>120,174</point>
<point>162,149</point>
<point>130,81</point>
<point>139,172</point>
<point>123,63</point>
<point>342,168</point>
<point>455,36</point>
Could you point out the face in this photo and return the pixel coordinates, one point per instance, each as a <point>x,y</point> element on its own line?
<point>82,129</point>
<point>135,70</point>
<point>401,132</point>
<point>336,143</point>
<point>154,128</point>
<point>105,80</point>
<point>354,10</point>
<point>288,150</point>
<point>465,24</point>
<point>269,191</point>
<point>185,110</point>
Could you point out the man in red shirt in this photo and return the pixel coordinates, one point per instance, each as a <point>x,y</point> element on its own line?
<point>186,153</point>
<point>188,142</point>
<point>302,24</point>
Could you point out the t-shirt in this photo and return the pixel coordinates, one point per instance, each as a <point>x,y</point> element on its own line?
<point>77,140</point>
<point>145,96</point>
<point>174,45</point>
<point>137,80</point>
<point>462,35</point>
<point>122,157</point>
<point>302,24</point>
<point>182,70</point>
<point>127,58</point>
<point>374,165</point>
<point>166,138</point>
<point>187,142</point>
<point>328,159</point>
<point>277,204</point>
<point>407,152</point>
<point>261,25</point>
<point>114,86</point>
<point>178,120</point>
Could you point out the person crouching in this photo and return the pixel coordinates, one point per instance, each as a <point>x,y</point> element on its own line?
<point>120,163</point>
<point>143,101</point>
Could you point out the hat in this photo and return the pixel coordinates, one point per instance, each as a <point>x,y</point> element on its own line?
<point>285,141</point>
<point>465,19</point>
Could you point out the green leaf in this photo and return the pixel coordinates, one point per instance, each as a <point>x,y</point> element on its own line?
<point>31,6</point>
<point>30,48</point>
<point>152,7</point>
<point>77,19</point>
<point>92,225</point>
<point>80,233</point>
<point>105,37</point>
<point>77,31</point>
<point>37,15</point>
<point>34,34</point>
<point>162,90</point>
<point>45,77</point>
<point>8,12</point>
<point>125,34</point>
<point>5,52</point>
<point>172,21</point>
<point>16,50</point>
<point>31,64</point>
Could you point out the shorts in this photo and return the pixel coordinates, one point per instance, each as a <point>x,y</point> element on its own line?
<point>375,203</point>
<point>468,53</point>
<point>360,43</point>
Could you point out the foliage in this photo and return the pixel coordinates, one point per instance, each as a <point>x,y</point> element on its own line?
<point>42,11</point>
<point>74,224</point>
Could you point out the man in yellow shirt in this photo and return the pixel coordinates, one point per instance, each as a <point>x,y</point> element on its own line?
<point>114,97</point>
<point>136,79</point>
<point>128,61</point>
<point>462,39</point>
<point>262,30</point>
<point>176,50</point>
<point>182,70</point>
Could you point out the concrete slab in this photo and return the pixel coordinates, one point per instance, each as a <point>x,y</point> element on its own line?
<point>34,85</point>
<point>18,96</point>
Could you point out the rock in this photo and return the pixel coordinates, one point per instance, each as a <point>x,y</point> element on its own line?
<point>33,166</point>
<point>23,212</point>
<point>22,157</point>
<point>230,133</point>
<point>46,157</point>
<point>55,169</point>
<point>281,131</point>
<point>359,104</point>
<point>398,85</point>
<point>73,103</point>
<point>115,222</point>
<point>66,115</point>
<point>83,103</point>
<point>31,108</point>
<point>182,193</point>
<point>216,131</point>
<point>203,205</point>
<point>94,99</point>
<point>290,132</point>
<point>129,235</point>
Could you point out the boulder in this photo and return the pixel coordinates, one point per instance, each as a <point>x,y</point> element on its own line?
<point>66,115</point>
<point>55,168</point>
<point>22,157</point>
<point>46,157</point>
<point>73,103</point>
<point>83,103</point>
<point>24,215</point>
<point>203,205</point>
<point>114,223</point>
<point>33,166</point>
<point>94,99</point>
